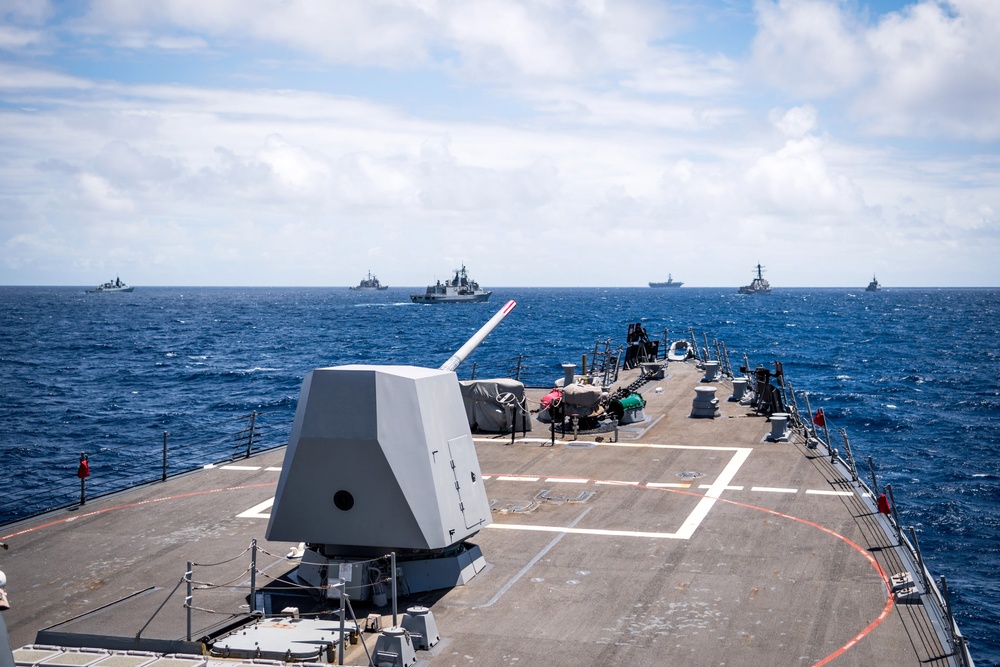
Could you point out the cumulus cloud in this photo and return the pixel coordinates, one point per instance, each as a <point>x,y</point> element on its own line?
<point>925,70</point>
<point>935,71</point>
<point>807,46</point>
<point>797,178</point>
<point>447,184</point>
<point>558,122</point>
<point>500,39</point>
<point>796,122</point>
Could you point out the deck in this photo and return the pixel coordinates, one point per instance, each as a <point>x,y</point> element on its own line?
<point>688,541</point>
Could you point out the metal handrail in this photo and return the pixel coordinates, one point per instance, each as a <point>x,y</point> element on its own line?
<point>157,465</point>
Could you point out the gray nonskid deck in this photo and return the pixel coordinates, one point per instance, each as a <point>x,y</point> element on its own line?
<point>688,540</point>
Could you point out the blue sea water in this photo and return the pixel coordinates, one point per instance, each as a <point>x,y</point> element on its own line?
<point>911,374</point>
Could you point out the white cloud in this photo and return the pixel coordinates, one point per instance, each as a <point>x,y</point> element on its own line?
<point>16,39</point>
<point>926,70</point>
<point>98,192</point>
<point>936,72</point>
<point>807,46</point>
<point>796,122</point>
<point>576,125</point>
<point>17,77</point>
<point>797,178</point>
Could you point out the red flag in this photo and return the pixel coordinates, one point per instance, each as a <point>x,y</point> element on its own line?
<point>883,504</point>
<point>84,469</point>
<point>819,418</point>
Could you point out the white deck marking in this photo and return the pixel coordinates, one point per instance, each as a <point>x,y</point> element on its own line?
<point>567,480</point>
<point>688,526</point>
<point>230,467</point>
<point>273,469</point>
<point>671,485</point>
<point>507,478</point>
<point>728,488</point>
<point>258,511</point>
<point>583,531</point>
<point>740,455</point>
<point>772,489</point>
<point>818,492</point>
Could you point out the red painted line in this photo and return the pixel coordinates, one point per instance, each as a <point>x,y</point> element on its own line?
<point>861,550</point>
<point>128,505</point>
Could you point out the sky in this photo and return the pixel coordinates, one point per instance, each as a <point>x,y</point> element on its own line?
<point>537,142</point>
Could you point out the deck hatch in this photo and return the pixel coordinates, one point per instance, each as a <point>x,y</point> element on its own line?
<point>513,506</point>
<point>550,497</point>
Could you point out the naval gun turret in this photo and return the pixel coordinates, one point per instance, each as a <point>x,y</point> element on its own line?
<point>380,459</point>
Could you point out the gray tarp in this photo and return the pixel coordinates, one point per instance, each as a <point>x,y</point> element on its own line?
<point>582,395</point>
<point>486,412</point>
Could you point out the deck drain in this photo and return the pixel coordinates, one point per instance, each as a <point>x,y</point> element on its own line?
<point>690,474</point>
<point>550,497</point>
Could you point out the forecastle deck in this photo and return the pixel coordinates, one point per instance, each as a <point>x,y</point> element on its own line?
<point>695,541</point>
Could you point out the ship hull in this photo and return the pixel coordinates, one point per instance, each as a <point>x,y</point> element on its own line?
<point>451,298</point>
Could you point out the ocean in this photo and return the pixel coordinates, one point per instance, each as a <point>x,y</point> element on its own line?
<point>910,374</point>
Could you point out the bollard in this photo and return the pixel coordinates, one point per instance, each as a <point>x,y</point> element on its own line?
<point>711,370</point>
<point>779,423</point>
<point>419,622</point>
<point>569,374</point>
<point>705,403</point>
<point>739,388</point>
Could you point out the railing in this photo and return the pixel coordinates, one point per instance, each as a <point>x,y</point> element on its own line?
<point>959,645</point>
<point>807,426</point>
<point>113,469</point>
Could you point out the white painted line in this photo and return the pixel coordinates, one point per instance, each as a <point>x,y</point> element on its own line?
<point>584,531</point>
<point>567,480</point>
<point>648,445</point>
<point>506,478</point>
<point>694,519</point>
<point>728,488</point>
<point>669,485</point>
<point>817,492</point>
<point>771,489</point>
<point>614,482</point>
<point>485,477</point>
<point>506,441</point>
<point>258,511</point>
<point>278,469</point>
<point>229,467</point>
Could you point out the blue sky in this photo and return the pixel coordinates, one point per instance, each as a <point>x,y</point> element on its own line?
<point>257,142</point>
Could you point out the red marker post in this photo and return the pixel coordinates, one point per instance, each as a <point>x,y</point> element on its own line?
<point>83,472</point>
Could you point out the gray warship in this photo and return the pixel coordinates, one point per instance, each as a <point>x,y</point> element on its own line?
<point>758,285</point>
<point>669,283</point>
<point>637,511</point>
<point>371,283</point>
<point>115,285</point>
<point>460,289</point>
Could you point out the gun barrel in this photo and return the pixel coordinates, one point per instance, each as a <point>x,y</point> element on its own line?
<point>473,343</point>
